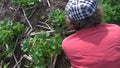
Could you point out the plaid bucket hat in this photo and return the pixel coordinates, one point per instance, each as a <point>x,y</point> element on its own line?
<point>80,9</point>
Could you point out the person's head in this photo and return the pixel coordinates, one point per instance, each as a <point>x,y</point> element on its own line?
<point>82,13</point>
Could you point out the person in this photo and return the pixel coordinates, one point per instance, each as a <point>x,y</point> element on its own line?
<point>93,44</point>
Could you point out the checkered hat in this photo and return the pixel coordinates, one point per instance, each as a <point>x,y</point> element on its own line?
<point>80,9</point>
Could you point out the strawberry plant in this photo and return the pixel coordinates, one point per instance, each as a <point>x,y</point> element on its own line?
<point>42,48</point>
<point>57,17</point>
<point>9,33</point>
<point>44,45</point>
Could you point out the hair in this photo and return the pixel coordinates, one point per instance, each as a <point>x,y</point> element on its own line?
<point>93,20</point>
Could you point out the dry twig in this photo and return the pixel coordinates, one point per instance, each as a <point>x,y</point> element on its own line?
<point>45,23</point>
<point>31,28</point>
<point>48,2</point>
<point>28,57</point>
<point>18,62</point>
<point>15,60</point>
<point>29,32</point>
<point>27,19</point>
<point>34,33</point>
<point>47,26</point>
<point>55,58</point>
<point>16,43</point>
<point>43,27</point>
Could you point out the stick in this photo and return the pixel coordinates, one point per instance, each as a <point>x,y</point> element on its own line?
<point>32,34</point>
<point>45,23</point>
<point>15,58</point>
<point>55,60</point>
<point>29,32</point>
<point>18,62</point>
<point>28,57</point>
<point>43,27</point>
<point>27,19</point>
<point>48,2</point>
<point>16,43</point>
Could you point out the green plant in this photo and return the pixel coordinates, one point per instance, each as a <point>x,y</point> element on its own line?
<point>57,17</point>
<point>5,65</point>
<point>42,47</point>
<point>9,33</point>
<point>26,2</point>
<point>111,11</point>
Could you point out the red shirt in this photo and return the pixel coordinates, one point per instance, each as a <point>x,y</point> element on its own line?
<point>94,47</point>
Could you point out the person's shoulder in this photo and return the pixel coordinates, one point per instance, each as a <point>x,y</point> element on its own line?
<point>113,28</point>
<point>69,38</point>
<point>113,25</point>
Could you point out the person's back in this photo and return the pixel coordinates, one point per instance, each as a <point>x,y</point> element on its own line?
<point>94,47</point>
<point>92,44</point>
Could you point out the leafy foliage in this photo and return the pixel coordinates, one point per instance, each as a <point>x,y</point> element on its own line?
<point>26,2</point>
<point>42,47</point>
<point>57,17</point>
<point>9,32</point>
<point>111,11</point>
